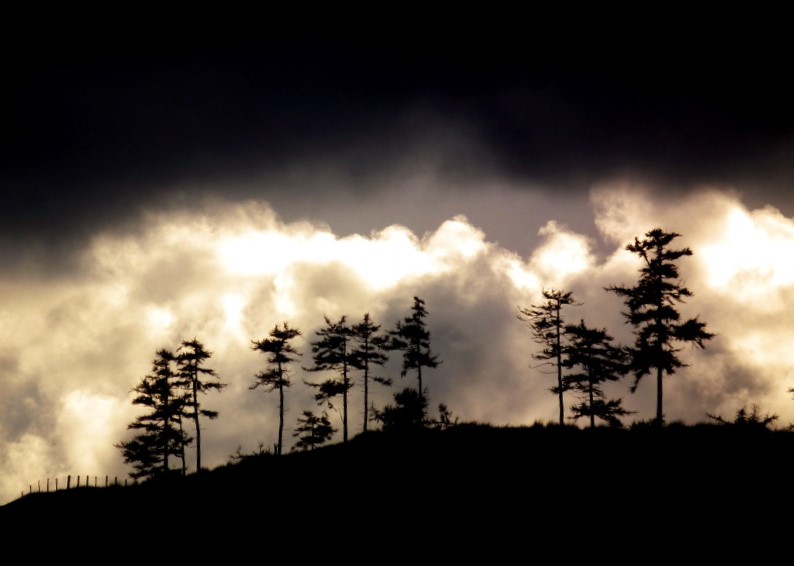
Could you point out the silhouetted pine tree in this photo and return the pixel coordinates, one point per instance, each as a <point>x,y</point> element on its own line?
<point>370,345</point>
<point>409,412</point>
<point>142,452</point>
<point>411,337</point>
<point>748,420</point>
<point>196,379</point>
<point>591,351</point>
<point>333,351</point>
<point>652,312</point>
<point>312,430</point>
<point>280,353</point>
<point>161,434</point>
<point>548,328</point>
<point>445,418</point>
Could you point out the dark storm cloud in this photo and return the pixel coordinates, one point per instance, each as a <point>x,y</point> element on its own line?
<point>513,133</point>
<point>97,131</point>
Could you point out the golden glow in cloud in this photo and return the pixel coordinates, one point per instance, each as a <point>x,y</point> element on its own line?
<point>73,348</point>
<point>561,255</point>
<point>743,285</point>
<point>382,260</point>
<point>226,276</point>
<point>749,258</point>
<point>23,461</point>
<point>88,423</point>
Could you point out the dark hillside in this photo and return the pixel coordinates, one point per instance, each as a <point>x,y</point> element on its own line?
<point>499,478</point>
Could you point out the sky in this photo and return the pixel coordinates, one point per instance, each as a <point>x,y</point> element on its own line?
<point>164,188</point>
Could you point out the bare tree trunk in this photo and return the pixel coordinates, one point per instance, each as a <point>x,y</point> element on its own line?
<point>344,401</point>
<point>592,412</point>
<point>182,446</point>
<point>196,420</point>
<point>659,352</point>
<point>366,394</point>
<point>659,414</point>
<point>280,408</point>
<point>559,366</point>
<point>166,424</point>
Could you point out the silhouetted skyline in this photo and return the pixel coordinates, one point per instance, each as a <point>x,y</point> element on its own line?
<point>153,193</point>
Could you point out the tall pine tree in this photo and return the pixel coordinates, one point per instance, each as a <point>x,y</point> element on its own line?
<point>652,311</point>
<point>333,351</point>
<point>160,432</point>
<point>197,379</point>
<point>368,352</point>
<point>280,353</point>
<point>548,328</point>
<point>412,338</point>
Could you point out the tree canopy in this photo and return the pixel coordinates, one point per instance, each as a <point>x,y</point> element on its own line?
<point>652,309</point>
<point>280,353</point>
<point>332,351</point>
<point>595,360</point>
<point>368,352</point>
<point>197,379</point>
<point>160,433</point>
<point>412,338</point>
<point>548,330</point>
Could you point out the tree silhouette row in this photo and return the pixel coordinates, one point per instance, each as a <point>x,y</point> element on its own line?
<point>591,354</point>
<point>583,358</point>
<point>171,390</point>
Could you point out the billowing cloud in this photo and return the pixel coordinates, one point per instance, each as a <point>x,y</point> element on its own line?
<point>742,286</point>
<point>98,135</point>
<point>225,273</point>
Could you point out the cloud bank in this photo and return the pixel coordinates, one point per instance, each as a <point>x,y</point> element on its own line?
<point>71,348</point>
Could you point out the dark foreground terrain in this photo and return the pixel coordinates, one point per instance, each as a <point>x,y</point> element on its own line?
<point>469,484</point>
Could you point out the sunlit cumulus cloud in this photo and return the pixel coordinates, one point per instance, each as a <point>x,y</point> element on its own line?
<point>72,348</point>
<point>743,286</point>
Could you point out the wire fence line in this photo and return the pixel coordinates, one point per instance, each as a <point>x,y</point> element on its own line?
<point>70,482</point>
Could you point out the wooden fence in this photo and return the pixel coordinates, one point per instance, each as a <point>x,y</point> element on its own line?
<point>70,482</point>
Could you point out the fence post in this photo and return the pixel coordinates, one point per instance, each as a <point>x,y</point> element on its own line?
<point>30,487</point>
<point>115,480</point>
<point>48,485</point>
<point>39,486</point>
<point>106,481</point>
<point>78,481</point>
<point>69,482</point>
<point>56,484</point>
